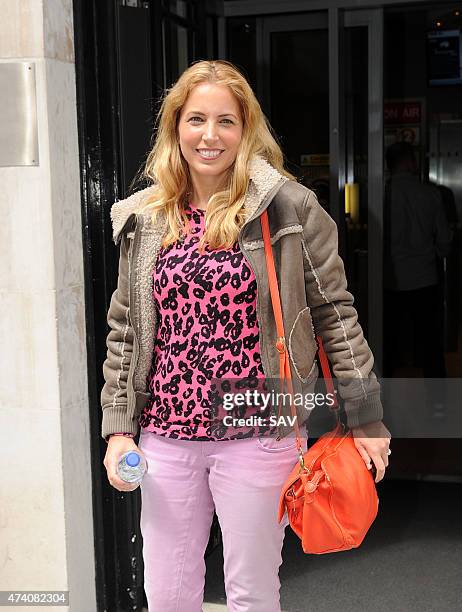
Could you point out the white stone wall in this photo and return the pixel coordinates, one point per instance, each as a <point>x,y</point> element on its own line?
<point>46,522</point>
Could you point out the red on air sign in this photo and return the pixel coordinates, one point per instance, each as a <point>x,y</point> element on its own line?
<point>402,112</point>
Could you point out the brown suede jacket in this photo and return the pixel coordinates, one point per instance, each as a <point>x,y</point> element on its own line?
<point>313,290</point>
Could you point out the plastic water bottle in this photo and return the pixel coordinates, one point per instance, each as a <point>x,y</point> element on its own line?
<point>131,467</point>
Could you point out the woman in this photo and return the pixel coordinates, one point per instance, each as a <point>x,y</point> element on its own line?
<point>186,313</point>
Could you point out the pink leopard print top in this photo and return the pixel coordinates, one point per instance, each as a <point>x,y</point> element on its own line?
<point>207,329</point>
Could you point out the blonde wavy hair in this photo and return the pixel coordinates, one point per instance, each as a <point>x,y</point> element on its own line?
<point>166,168</point>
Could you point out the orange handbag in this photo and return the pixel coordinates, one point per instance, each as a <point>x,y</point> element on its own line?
<point>330,495</point>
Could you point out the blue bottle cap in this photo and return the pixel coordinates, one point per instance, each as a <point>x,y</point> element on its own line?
<point>132,459</point>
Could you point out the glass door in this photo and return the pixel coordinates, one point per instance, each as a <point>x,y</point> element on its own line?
<point>293,87</point>
<point>320,83</point>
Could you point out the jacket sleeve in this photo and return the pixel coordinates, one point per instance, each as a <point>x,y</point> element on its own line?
<point>119,342</point>
<point>334,317</point>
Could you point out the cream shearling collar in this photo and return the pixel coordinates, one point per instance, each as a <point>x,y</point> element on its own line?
<point>263,177</point>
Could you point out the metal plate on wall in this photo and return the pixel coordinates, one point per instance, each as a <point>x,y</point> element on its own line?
<point>18,115</point>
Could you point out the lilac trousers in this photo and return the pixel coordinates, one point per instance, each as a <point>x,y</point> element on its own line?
<point>186,481</point>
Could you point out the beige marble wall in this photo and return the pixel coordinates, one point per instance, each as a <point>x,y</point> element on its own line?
<point>46,522</point>
<point>21,28</point>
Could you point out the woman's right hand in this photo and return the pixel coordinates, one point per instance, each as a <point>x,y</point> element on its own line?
<point>117,446</point>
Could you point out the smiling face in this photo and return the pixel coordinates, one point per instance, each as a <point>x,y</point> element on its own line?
<point>209,131</point>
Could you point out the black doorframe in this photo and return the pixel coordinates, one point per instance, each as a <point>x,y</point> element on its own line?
<point>100,110</point>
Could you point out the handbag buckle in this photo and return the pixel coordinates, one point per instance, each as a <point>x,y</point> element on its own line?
<point>281,344</point>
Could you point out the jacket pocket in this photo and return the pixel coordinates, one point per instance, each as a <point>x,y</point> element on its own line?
<point>270,444</point>
<point>302,346</point>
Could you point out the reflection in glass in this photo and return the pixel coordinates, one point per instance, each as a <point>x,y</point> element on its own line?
<point>423,197</point>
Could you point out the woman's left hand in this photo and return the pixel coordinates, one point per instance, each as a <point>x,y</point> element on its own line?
<point>372,441</point>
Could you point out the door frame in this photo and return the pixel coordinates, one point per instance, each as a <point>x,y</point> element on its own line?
<point>239,8</point>
<point>373,19</point>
